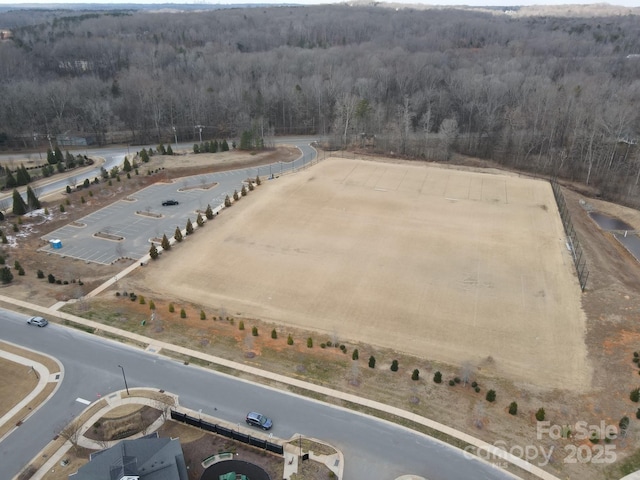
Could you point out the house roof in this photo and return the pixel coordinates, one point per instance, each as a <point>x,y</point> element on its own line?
<point>144,459</point>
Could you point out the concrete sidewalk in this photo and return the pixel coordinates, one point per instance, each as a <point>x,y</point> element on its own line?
<point>44,377</point>
<point>291,456</point>
<point>155,347</point>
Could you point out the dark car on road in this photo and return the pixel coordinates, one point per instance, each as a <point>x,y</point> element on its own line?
<point>256,419</point>
<point>167,203</point>
<point>38,321</point>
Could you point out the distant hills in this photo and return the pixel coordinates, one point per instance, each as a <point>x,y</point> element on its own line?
<point>568,10</point>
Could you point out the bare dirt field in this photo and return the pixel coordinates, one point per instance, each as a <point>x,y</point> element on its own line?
<point>415,258</point>
<point>610,304</point>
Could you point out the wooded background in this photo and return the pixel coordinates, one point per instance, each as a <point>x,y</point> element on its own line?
<point>557,96</point>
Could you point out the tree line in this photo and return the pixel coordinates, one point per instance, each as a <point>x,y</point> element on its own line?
<point>550,95</point>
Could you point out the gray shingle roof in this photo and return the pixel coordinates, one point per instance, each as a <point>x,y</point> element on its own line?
<point>145,458</point>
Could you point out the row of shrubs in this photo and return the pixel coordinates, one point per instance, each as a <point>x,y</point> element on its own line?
<point>189,229</point>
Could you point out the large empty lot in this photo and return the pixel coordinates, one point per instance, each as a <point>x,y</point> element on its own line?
<point>445,264</point>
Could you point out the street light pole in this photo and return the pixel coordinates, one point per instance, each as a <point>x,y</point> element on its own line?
<point>125,379</point>
<point>200,127</point>
<point>175,135</point>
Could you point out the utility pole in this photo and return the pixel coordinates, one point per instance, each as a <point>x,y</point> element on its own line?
<point>200,127</point>
<point>125,379</point>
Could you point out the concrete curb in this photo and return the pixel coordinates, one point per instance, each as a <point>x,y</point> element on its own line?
<point>334,462</point>
<point>479,445</point>
<point>44,377</point>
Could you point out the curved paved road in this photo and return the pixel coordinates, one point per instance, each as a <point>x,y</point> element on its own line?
<point>373,449</point>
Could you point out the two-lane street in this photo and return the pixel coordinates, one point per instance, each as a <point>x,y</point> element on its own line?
<point>373,449</point>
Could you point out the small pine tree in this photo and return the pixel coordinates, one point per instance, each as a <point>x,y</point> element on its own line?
<point>289,340</point>
<point>540,414</point>
<point>437,377</point>
<point>61,208</point>
<point>513,408</point>
<point>624,423</point>
<point>172,308</point>
<point>10,181</point>
<point>258,181</point>
<point>274,334</point>
<point>240,325</point>
<point>166,244</point>
<point>199,220</point>
<point>638,413</point>
<point>254,331</point>
<point>183,313</point>
<point>208,212</point>
<point>309,342</point>
<point>126,166</point>
<point>236,197</point>
<point>394,366</point>
<point>635,395</point>
<point>415,375</point>
<point>152,305</point>
<point>153,252</point>
<point>40,274</point>
<point>491,396</point>
<point>4,237</point>
<point>189,227</point>
<point>5,275</point>
<point>19,205</point>
<point>169,150</point>
<point>203,316</point>
<point>51,278</point>
<point>227,201</point>
<point>32,200</point>
<point>141,300</point>
<point>372,362</point>
<point>355,354</point>
<point>178,235</point>
<point>243,191</point>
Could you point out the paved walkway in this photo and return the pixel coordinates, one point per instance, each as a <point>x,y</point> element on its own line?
<point>44,377</point>
<point>155,346</point>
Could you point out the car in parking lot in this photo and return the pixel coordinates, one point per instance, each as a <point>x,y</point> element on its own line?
<point>256,419</point>
<point>167,203</point>
<point>38,321</point>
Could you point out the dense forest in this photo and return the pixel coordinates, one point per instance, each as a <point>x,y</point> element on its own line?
<point>550,95</point>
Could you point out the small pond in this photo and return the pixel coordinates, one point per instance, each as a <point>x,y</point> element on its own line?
<point>607,223</point>
<point>622,231</point>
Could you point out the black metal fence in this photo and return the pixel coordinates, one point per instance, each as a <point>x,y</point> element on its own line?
<point>572,238</point>
<point>227,432</point>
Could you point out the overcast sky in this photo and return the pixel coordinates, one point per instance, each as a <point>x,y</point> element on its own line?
<point>477,3</point>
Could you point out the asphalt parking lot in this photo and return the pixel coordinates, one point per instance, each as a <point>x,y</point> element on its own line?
<point>124,229</point>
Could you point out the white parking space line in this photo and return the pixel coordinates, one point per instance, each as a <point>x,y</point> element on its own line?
<point>83,401</point>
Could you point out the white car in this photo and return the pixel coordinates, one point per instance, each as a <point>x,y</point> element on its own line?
<point>38,321</point>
